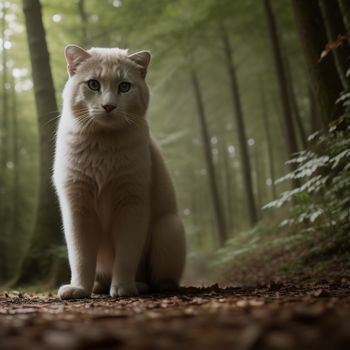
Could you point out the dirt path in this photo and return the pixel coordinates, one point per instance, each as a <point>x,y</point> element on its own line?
<point>277,316</point>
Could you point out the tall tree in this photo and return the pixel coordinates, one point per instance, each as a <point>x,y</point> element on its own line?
<point>47,231</point>
<point>229,182</point>
<point>4,138</point>
<point>316,121</point>
<point>267,129</point>
<point>15,157</point>
<point>4,109</point>
<point>86,34</point>
<point>324,78</point>
<point>216,198</point>
<point>239,120</point>
<point>345,9</point>
<point>294,104</point>
<point>334,25</point>
<point>282,78</point>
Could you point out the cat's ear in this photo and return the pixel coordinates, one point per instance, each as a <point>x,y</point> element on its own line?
<point>74,56</point>
<point>142,59</point>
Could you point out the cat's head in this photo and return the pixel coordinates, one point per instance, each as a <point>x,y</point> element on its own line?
<point>107,87</point>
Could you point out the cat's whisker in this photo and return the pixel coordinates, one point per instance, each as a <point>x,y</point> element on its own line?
<point>53,119</point>
<point>133,115</point>
<point>127,119</point>
<point>86,128</point>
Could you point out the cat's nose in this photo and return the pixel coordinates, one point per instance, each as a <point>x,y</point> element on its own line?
<point>108,108</point>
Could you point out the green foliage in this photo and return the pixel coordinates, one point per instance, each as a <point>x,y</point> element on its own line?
<point>236,247</point>
<point>322,201</point>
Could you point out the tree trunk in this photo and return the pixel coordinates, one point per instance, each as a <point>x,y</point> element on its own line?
<point>4,109</point>
<point>294,105</point>
<point>86,34</point>
<point>16,170</point>
<point>333,21</point>
<point>227,182</point>
<point>239,120</point>
<point>345,9</point>
<point>316,122</point>
<point>258,176</point>
<point>282,79</point>
<point>47,231</point>
<point>324,77</point>
<point>4,195</point>
<point>217,201</point>
<point>269,145</point>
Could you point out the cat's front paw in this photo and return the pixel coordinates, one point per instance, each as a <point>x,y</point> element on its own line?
<point>71,292</point>
<point>124,290</point>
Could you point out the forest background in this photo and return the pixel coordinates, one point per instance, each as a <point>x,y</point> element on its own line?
<point>238,88</point>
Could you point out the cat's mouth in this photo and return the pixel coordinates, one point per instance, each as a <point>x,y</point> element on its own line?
<point>109,120</point>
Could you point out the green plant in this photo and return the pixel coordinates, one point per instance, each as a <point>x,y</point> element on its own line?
<point>322,202</point>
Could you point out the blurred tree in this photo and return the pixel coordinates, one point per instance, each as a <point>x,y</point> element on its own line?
<point>4,138</point>
<point>316,121</point>
<point>240,125</point>
<point>294,104</point>
<point>40,261</point>
<point>334,24</point>
<point>267,129</point>
<point>228,183</point>
<point>345,8</point>
<point>86,35</point>
<point>282,79</point>
<point>324,78</point>
<point>15,159</point>
<point>216,198</point>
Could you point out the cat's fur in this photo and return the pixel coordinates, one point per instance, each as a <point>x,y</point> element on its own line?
<point>116,197</point>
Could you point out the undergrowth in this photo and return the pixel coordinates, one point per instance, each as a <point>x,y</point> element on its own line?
<point>314,234</point>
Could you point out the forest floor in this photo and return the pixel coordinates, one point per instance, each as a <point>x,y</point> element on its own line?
<point>308,316</point>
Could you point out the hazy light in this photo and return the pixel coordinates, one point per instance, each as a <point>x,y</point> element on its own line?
<point>214,140</point>
<point>251,142</point>
<point>9,165</point>
<point>203,172</point>
<point>7,45</point>
<point>268,182</point>
<point>228,127</point>
<point>195,141</point>
<point>10,17</point>
<point>231,150</point>
<point>215,151</point>
<point>24,85</point>
<point>10,63</point>
<point>117,3</point>
<point>187,211</point>
<point>19,72</point>
<point>57,18</point>
<point>19,28</point>
<point>94,18</point>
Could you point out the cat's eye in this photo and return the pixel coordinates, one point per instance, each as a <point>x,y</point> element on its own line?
<point>94,85</point>
<point>124,86</point>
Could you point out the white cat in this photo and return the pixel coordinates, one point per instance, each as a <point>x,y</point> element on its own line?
<point>117,200</point>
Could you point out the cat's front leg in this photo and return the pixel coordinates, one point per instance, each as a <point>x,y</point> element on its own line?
<point>129,234</point>
<point>82,231</point>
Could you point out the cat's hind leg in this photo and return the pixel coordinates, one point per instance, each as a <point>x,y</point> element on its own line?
<point>167,252</point>
<point>104,267</point>
<point>102,284</point>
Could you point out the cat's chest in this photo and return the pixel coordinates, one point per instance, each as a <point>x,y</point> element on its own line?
<point>104,163</point>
